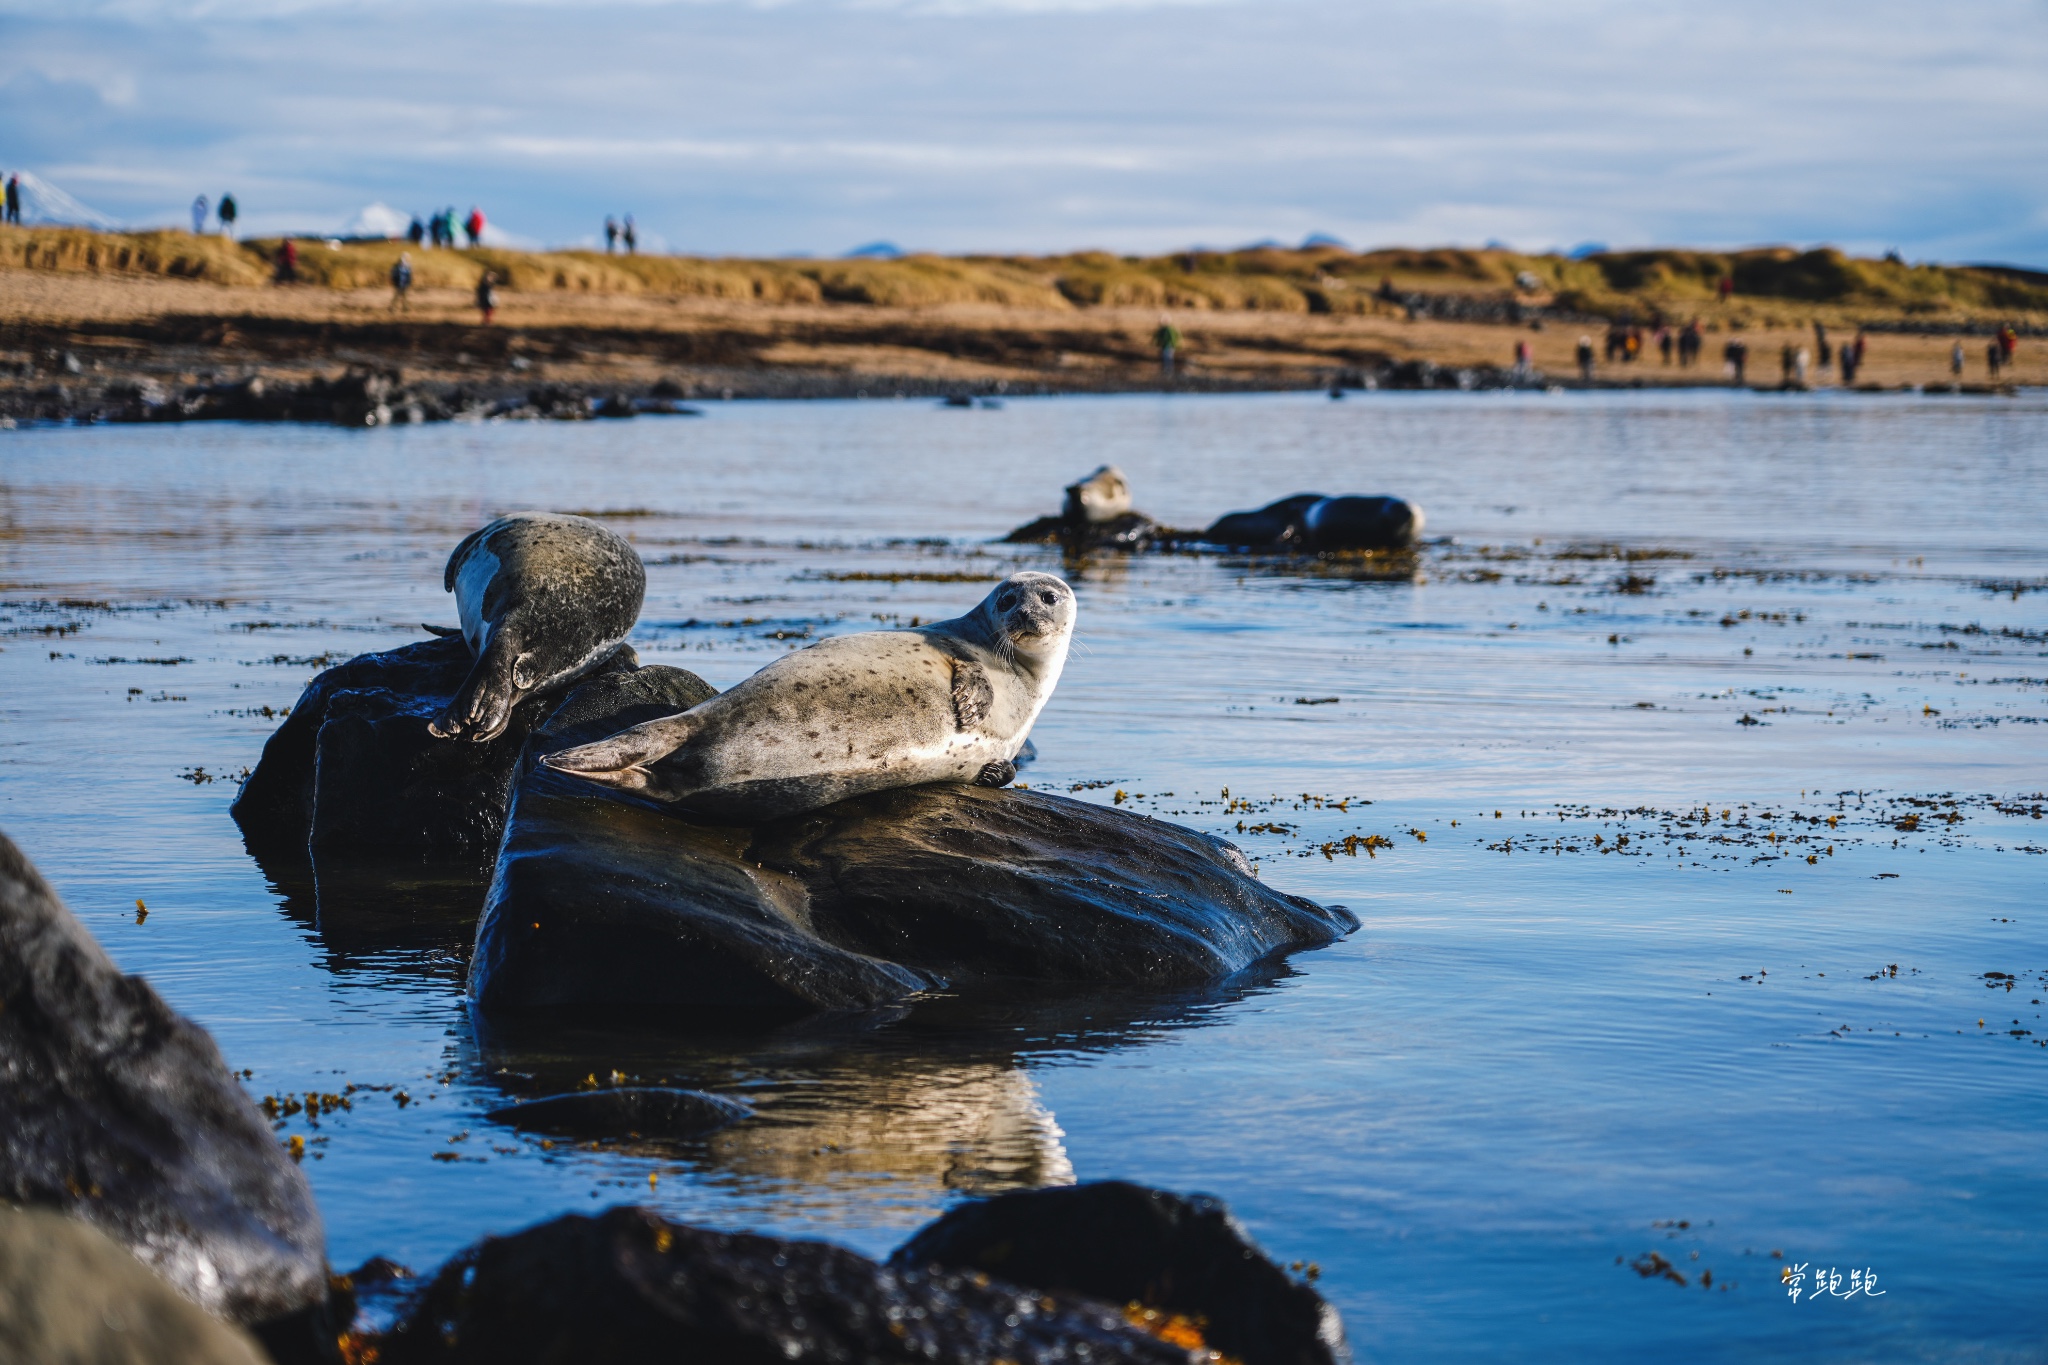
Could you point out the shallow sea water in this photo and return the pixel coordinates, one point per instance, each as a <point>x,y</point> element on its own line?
<point>1547,1055</point>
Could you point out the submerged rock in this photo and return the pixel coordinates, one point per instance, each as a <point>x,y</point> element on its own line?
<point>69,1294</point>
<point>624,1111</point>
<point>1316,523</point>
<point>120,1112</point>
<point>599,899</point>
<point>354,768</point>
<point>1124,1243</point>
<point>628,1285</point>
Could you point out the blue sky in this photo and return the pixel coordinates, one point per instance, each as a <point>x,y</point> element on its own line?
<point>776,126</point>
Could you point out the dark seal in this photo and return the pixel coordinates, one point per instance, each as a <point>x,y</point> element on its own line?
<point>544,600</point>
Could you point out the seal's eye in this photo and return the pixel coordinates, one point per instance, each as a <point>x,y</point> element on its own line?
<point>1048,597</point>
<point>1006,601</point>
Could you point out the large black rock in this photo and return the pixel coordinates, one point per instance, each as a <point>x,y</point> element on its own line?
<point>354,768</point>
<point>1124,1243</point>
<point>116,1110</point>
<point>630,1286</point>
<point>599,899</point>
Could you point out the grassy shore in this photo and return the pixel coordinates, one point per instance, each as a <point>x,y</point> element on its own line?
<point>179,309</point>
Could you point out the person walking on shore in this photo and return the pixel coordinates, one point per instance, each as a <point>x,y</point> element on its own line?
<point>474,226</point>
<point>416,232</point>
<point>401,281</point>
<point>487,296</point>
<point>611,234</point>
<point>1167,338</point>
<point>1664,343</point>
<point>199,211</point>
<point>226,213</point>
<point>1850,357</point>
<point>1586,360</point>
<point>14,199</point>
<point>1736,356</point>
<point>1689,343</point>
<point>1994,356</point>
<point>2008,341</point>
<point>1955,360</point>
<point>1822,350</point>
<point>631,237</point>
<point>288,262</point>
<point>1522,361</point>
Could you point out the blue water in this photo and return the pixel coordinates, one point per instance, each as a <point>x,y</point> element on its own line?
<point>1539,1057</point>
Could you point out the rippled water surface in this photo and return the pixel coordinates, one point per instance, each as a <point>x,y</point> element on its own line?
<point>1649,966</point>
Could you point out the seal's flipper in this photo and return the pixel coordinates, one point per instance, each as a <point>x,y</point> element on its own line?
<point>445,632</point>
<point>1000,773</point>
<point>483,707</point>
<point>972,693</point>
<point>622,760</point>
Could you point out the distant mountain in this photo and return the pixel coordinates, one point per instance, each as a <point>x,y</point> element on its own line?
<point>44,203</point>
<point>875,251</point>
<point>1316,239</point>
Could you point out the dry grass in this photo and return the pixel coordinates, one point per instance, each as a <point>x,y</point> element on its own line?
<point>1775,287</point>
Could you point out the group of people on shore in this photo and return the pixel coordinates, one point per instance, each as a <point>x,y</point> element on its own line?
<point>439,229</point>
<point>224,214</point>
<point>1998,353</point>
<point>1626,343</point>
<point>617,234</point>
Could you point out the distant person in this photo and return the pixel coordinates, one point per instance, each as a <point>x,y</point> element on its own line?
<point>1167,338</point>
<point>1665,342</point>
<point>1824,352</point>
<point>611,234</point>
<point>1994,356</point>
<point>1735,355</point>
<point>1862,340</point>
<point>1955,360</point>
<point>416,232</point>
<point>1632,344</point>
<point>487,296</point>
<point>14,199</point>
<point>1586,360</point>
<point>2008,341</point>
<point>287,261</point>
<point>631,237</point>
<point>226,213</point>
<point>200,209</point>
<point>1850,357</point>
<point>401,281</point>
<point>1689,342</point>
<point>474,226</point>
<point>1522,360</point>
<point>1727,287</point>
<point>1801,359</point>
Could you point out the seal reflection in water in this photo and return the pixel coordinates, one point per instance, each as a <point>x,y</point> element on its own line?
<point>950,702</point>
<point>544,599</point>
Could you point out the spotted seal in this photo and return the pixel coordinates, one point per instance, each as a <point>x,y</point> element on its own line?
<point>950,702</point>
<point>544,599</point>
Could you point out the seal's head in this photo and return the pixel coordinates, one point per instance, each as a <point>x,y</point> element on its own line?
<point>1030,617</point>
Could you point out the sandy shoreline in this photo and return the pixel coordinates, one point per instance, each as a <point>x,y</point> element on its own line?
<point>174,335</point>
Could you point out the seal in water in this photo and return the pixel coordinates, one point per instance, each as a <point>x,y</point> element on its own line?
<point>950,702</point>
<point>544,599</point>
<point>1311,521</point>
<point>1103,496</point>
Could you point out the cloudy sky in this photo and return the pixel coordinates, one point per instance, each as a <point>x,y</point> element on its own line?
<point>781,126</point>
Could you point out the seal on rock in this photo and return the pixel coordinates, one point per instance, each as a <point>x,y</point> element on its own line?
<point>544,599</point>
<point>1103,496</point>
<point>1316,523</point>
<point>950,702</point>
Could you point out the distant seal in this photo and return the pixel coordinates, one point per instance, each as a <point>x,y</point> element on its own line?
<point>544,599</point>
<point>1103,496</point>
<point>1315,522</point>
<point>950,702</point>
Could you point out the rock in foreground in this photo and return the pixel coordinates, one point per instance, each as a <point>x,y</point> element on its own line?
<point>631,1286</point>
<point>118,1111</point>
<point>354,768</point>
<point>601,900</point>
<point>1124,1243</point>
<point>68,1294</point>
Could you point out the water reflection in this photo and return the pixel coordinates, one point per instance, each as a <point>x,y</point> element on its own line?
<point>918,1103</point>
<point>407,913</point>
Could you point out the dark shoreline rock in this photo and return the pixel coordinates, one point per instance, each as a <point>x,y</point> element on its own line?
<point>628,1285</point>
<point>354,768</point>
<point>1124,1243</point>
<point>121,1112</point>
<point>602,900</point>
<point>635,1111</point>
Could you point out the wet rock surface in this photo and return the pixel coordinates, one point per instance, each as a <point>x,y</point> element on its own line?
<point>602,900</point>
<point>626,1111</point>
<point>629,1285</point>
<point>1125,1243</point>
<point>69,1294</point>
<point>120,1112</point>
<point>353,766</point>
